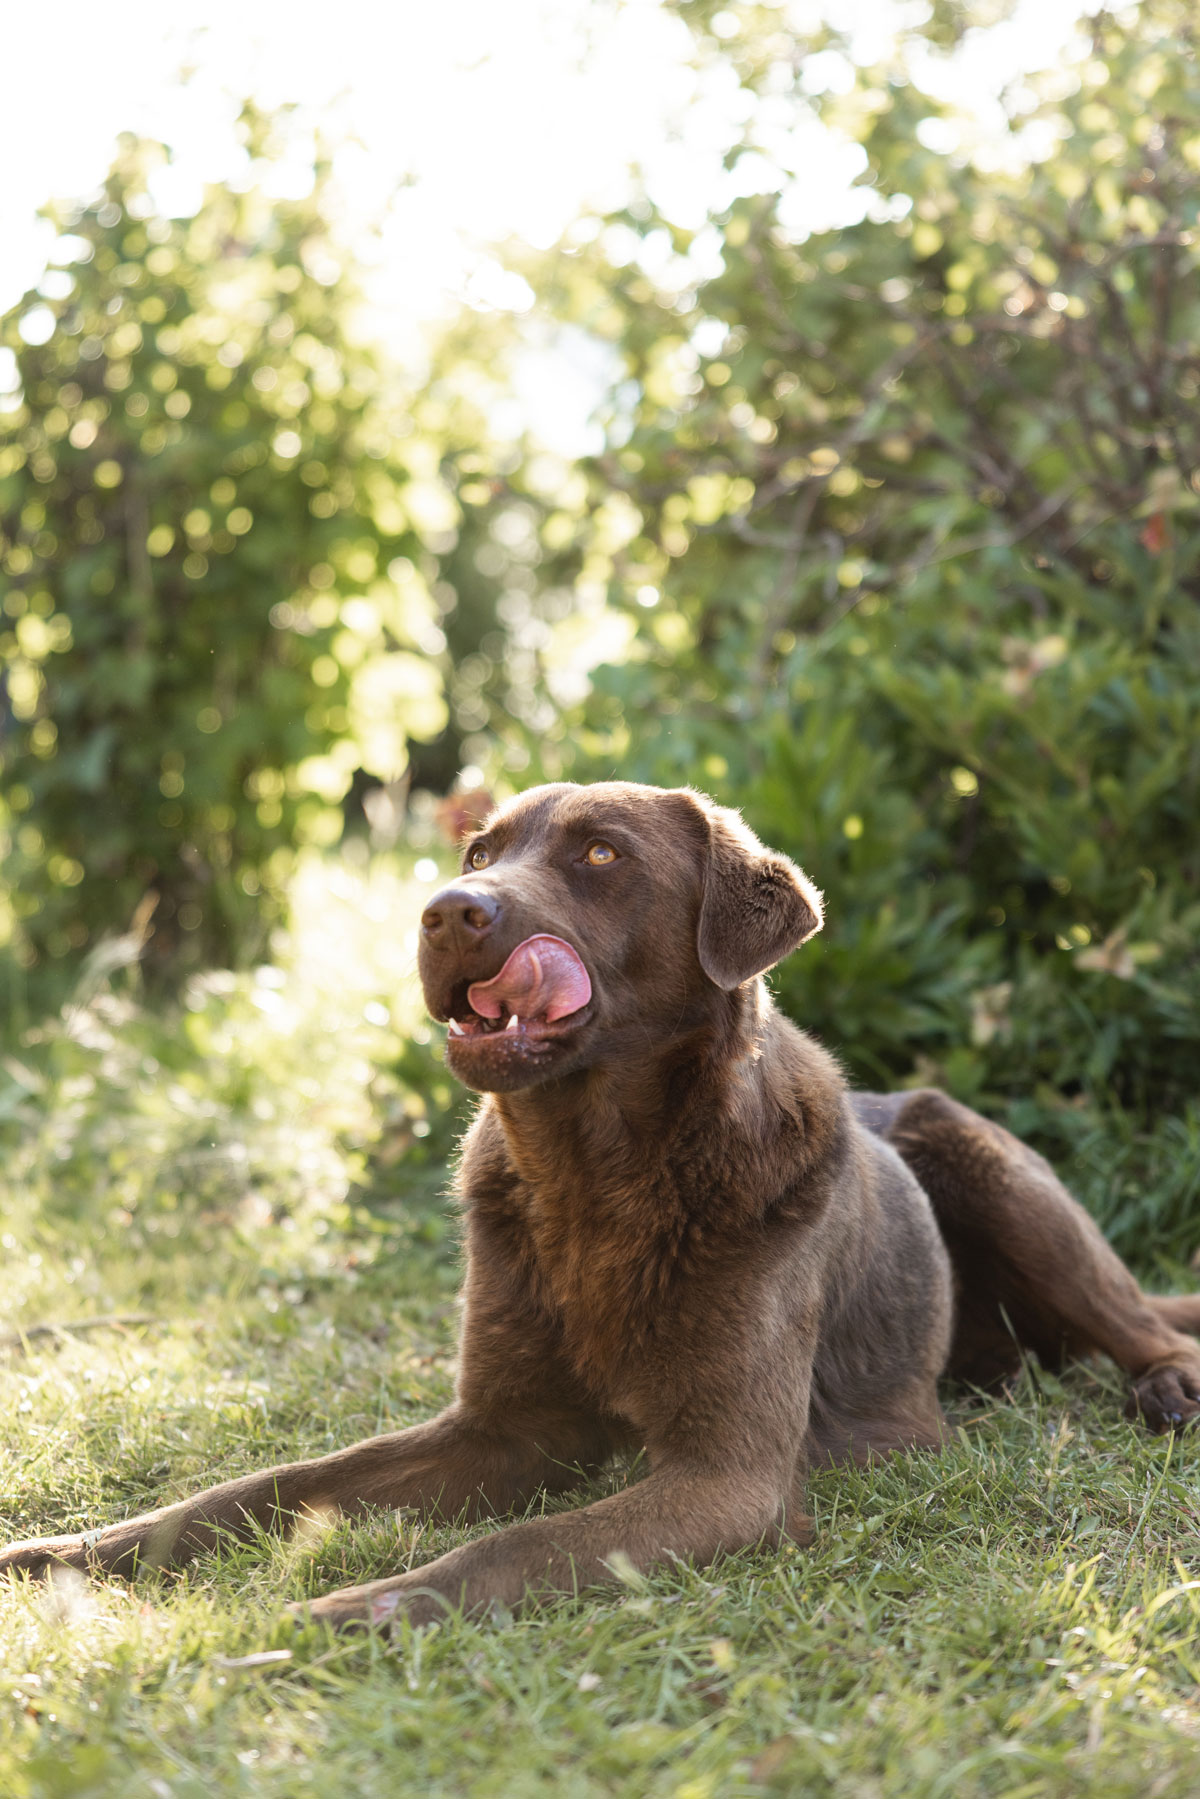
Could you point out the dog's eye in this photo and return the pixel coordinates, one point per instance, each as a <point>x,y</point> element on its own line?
<point>601,854</point>
<point>478,858</point>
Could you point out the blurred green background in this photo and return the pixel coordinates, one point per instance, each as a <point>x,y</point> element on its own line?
<point>887,534</point>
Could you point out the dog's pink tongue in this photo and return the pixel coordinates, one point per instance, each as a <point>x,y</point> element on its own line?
<point>542,976</point>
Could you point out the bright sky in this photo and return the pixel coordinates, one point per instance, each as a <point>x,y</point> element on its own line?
<point>504,116</point>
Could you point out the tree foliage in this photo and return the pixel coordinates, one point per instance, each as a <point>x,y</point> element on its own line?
<point>893,541</point>
<point>904,521</point>
<point>214,531</point>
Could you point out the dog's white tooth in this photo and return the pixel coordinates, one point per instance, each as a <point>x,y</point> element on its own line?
<point>456,1029</point>
<point>514,1023</point>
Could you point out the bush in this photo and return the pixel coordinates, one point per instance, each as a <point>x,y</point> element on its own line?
<point>904,520</point>
<point>266,1114</point>
<point>210,524</point>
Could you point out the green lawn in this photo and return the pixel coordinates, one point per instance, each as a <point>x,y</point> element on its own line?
<point>259,1178</point>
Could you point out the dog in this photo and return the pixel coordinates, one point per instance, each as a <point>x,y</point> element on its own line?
<point>684,1233</point>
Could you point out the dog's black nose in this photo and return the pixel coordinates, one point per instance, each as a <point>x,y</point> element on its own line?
<point>459,913</point>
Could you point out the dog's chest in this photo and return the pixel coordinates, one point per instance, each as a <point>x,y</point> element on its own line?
<point>614,1271</point>
<point>622,1243</point>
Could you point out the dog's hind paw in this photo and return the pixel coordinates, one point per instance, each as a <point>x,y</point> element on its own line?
<point>1166,1399</point>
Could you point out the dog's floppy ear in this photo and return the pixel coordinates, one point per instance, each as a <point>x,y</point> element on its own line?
<point>756,907</point>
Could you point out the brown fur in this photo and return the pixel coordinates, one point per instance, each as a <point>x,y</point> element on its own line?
<point>684,1233</point>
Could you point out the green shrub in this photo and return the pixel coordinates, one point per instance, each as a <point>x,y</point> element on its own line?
<point>211,518</point>
<point>280,1108</point>
<point>904,519</point>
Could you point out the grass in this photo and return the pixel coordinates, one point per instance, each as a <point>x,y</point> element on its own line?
<point>258,1177</point>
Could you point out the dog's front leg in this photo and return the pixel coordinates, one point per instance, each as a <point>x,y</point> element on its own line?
<point>458,1463</point>
<point>692,1513</point>
<point>727,1470</point>
<point>725,1417</point>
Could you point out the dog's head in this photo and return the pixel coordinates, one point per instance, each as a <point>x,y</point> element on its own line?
<point>591,923</point>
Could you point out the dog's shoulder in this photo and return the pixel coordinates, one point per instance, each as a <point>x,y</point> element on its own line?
<point>803,1093</point>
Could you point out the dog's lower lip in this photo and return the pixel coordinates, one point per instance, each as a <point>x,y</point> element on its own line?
<point>514,1030</point>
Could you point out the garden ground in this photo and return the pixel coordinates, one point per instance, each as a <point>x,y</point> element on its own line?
<point>249,1189</point>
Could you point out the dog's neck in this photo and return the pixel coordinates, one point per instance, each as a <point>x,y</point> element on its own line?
<point>618,1176</point>
<point>641,1101</point>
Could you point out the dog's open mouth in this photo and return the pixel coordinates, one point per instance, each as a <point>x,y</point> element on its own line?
<point>538,994</point>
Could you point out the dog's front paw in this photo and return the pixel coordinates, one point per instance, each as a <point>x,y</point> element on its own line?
<point>1166,1399</point>
<point>341,1611</point>
<point>41,1555</point>
<point>375,1606</point>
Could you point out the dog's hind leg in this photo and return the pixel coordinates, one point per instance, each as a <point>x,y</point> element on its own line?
<point>1182,1310</point>
<point>1031,1269</point>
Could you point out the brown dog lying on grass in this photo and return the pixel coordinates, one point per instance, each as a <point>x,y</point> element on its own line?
<point>683,1232</point>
